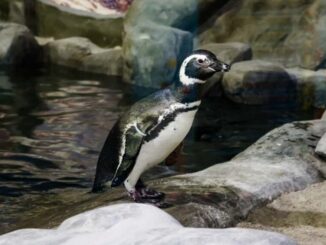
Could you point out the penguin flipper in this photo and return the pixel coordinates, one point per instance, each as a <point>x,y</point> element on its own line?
<point>108,159</point>
<point>133,141</point>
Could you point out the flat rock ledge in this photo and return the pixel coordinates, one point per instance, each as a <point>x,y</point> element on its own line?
<point>81,54</point>
<point>282,161</point>
<point>137,224</point>
<point>300,215</point>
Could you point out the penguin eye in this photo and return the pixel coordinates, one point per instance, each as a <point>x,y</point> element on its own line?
<point>200,61</point>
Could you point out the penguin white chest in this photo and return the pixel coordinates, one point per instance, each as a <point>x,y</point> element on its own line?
<point>157,149</point>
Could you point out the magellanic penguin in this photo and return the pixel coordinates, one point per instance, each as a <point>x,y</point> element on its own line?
<point>153,127</point>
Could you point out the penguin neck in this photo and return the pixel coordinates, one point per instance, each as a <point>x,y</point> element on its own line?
<point>187,93</point>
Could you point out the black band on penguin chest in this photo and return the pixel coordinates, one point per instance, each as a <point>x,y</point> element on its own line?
<point>155,131</point>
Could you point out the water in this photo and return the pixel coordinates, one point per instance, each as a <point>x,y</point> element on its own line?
<point>53,124</point>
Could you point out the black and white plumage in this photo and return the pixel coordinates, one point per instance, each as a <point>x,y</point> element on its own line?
<point>153,127</point>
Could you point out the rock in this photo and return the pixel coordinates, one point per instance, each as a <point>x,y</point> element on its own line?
<point>277,31</point>
<point>18,47</point>
<point>324,116</point>
<point>102,26</point>
<point>81,54</point>
<point>321,146</point>
<point>152,54</point>
<point>157,39</point>
<point>219,196</point>
<point>230,52</point>
<point>178,14</point>
<point>145,225</point>
<point>311,87</point>
<point>258,82</point>
<point>300,215</point>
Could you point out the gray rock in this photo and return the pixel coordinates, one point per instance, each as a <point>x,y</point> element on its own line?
<point>277,31</point>
<point>324,116</point>
<point>321,146</point>
<point>157,39</point>
<point>152,54</point>
<point>18,46</point>
<point>178,14</point>
<point>104,30</point>
<point>282,161</point>
<point>137,224</point>
<point>311,87</point>
<point>300,215</point>
<point>81,54</point>
<point>258,82</point>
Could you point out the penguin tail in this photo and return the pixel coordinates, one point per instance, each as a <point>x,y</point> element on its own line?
<point>99,181</point>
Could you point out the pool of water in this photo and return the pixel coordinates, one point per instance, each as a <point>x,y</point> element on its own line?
<point>53,124</point>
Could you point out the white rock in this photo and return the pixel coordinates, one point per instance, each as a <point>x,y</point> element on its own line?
<point>137,224</point>
<point>321,146</point>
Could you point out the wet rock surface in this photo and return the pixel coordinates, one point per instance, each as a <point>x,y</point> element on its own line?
<point>311,86</point>
<point>18,47</point>
<point>300,215</point>
<point>82,54</point>
<point>258,82</point>
<point>145,225</point>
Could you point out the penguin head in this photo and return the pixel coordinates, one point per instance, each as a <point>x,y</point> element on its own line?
<point>199,66</point>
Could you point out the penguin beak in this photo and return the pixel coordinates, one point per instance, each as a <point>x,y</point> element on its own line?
<point>217,67</point>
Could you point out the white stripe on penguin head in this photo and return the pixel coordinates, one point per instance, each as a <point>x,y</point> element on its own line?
<point>186,80</point>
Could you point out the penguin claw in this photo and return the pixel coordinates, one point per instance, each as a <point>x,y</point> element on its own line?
<point>148,193</point>
<point>139,197</point>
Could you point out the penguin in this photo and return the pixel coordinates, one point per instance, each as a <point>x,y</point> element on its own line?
<point>147,133</point>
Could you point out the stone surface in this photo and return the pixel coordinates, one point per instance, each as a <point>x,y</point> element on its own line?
<point>281,161</point>
<point>300,215</point>
<point>276,30</point>
<point>81,54</point>
<point>258,82</point>
<point>78,20</point>
<point>324,116</point>
<point>18,47</point>
<point>157,38</point>
<point>152,54</point>
<point>310,86</point>
<point>321,146</point>
<point>137,224</point>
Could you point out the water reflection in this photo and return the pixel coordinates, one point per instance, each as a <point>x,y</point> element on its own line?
<point>53,124</point>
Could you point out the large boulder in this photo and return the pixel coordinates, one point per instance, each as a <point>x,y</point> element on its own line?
<point>321,146</point>
<point>81,54</point>
<point>300,215</point>
<point>18,47</point>
<point>103,27</point>
<point>276,30</point>
<point>311,87</point>
<point>258,82</point>
<point>157,39</point>
<point>145,225</point>
<point>152,54</point>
